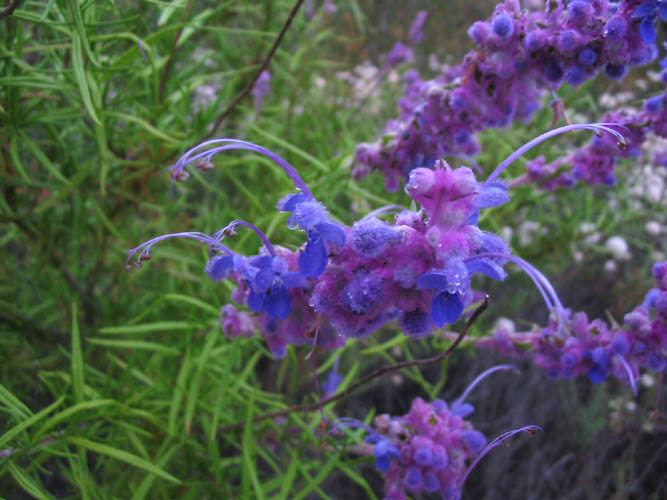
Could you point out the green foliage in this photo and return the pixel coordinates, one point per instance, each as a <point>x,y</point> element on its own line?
<point>116,385</point>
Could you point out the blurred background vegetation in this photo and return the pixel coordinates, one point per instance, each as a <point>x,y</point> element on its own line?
<point>114,384</point>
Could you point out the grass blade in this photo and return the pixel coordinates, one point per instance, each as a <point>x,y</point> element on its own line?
<point>77,358</point>
<point>148,328</point>
<point>13,403</point>
<point>140,345</point>
<point>123,456</point>
<point>28,483</point>
<point>17,429</point>
<point>82,81</point>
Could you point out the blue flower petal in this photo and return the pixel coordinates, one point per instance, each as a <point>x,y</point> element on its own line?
<point>474,440</point>
<point>289,202</point>
<point>432,281</point>
<point>494,244</point>
<point>294,280</point>
<point>446,308</point>
<point>662,11</point>
<point>491,196</point>
<point>263,279</point>
<point>597,374</point>
<point>383,462</point>
<point>331,232</point>
<point>218,267</point>
<point>256,301</point>
<point>647,30</point>
<point>473,218</point>
<point>331,384</point>
<point>372,438</point>
<point>645,9</point>
<point>486,267</point>
<point>384,451</point>
<point>261,261</point>
<point>462,409</point>
<point>313,259</point>
<point>277,304</point>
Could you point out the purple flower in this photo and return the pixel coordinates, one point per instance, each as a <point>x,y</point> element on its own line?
<point>261,89</point>
<point>474,440</point>
<point>446,306</point>
<point>333,379</point>
<point>311,216</point>
<point>592,347</point>
<point>399,54</point>
<point>503,26</point>
<point>616,28</point>
<point>587,57</point>
<point>269,281</point>
<point>416,35</point>
<point>428,449</point>
<point>371,236</point>
<point>519,55</point>
<point>413,479</point>
<point>384,452</point>
<point>648,12</point>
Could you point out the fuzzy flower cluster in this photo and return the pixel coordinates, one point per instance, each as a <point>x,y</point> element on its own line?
<point>593,348</point>
<point>595,163</point>
<point>348,281</point>
<point>428,449</point>
<point>520,54</point>
<point>432,448</point>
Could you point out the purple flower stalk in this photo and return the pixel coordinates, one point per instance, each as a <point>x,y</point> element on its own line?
<point>416,35</point>
<point>348,281</point>
<point>595,163</point>
<point>594,349</point>
<point>430,449</point>
<point>520,55</point>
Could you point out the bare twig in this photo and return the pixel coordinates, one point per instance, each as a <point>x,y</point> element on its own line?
<point>368,378</point>
<point>249,86</point>
<point>9,10</point>
<point>174,43</point>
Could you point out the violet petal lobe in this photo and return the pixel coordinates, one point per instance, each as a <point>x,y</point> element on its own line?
<point>432,281</point>
<point>218,267</point>
<point>277,303</point>
<point>486,267</point>
<point>256,301</point>
<point>289,202</point>
<point>446,308</point>
<point>331,232</point>
<point>645,9</point>
<point>313,259</point>
<point>647,30</point>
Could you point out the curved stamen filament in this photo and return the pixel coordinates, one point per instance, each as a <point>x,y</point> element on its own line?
<point>631,376</point>
<point>541,282</point>
<point>531,429</point>
<point>239,144</point>
<point>384,210</point>
<point>481,377</point>
<point>229,228</point>
<point>595,127</point>
<point>352,423</point>
<point>145,247</point>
